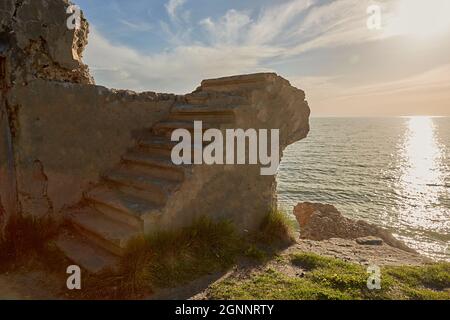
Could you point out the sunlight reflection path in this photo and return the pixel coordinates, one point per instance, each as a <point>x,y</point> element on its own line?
<point>422,179</point>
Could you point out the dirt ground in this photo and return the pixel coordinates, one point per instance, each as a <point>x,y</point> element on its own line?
<point>30,285</point>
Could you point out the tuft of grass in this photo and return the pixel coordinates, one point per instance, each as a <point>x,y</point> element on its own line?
<point>169,259</point>
<point>276,230</point>
<point>177,257</point>
<point>255,253</point>
<point>27,240</point>
<point>329,278</point>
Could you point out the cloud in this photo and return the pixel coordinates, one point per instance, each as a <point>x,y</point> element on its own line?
<point>296,26</point>
<point>172,6</point>
<point>179,70</point>
<point>228,29</point>
<point>137,25</point>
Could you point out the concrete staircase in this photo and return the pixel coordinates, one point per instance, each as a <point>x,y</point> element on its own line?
<point>111,214</point>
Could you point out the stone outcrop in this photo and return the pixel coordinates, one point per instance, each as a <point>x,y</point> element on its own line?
<point>36,42</point>
<point>323,222</point>
<point>99,159</point>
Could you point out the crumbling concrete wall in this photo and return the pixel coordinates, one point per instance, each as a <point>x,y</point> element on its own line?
<point>71,133</point>
<point>64,129</point>
<point>34,44</point>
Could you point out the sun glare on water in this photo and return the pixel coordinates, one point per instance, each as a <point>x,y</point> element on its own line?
<point>420,18</point>
<point>422,177</point>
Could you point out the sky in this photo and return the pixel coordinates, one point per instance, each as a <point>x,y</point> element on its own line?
<point>325,47</point>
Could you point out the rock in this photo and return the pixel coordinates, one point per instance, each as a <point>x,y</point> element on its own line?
<point>322,222</point>
<point>369,241</point>
<point>36,42</point>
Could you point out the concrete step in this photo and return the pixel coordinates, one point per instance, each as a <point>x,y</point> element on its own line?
<point>165,128</point>
<point>156,141</point>
<point>203,109</point>
<point>205,113</point>
<point>85,254</point>
<point>103,231</point>
<point>205,117</point>
<point>198,98</point>
<point>158,166</point>
<point>231,86</point>
<point>158,189</point>
<point>173,125</point>
<point>120,206</point>
<point>215,98</point>
<point>156,145</point>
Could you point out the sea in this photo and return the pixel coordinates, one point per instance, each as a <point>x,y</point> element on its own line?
<point>393,172</point>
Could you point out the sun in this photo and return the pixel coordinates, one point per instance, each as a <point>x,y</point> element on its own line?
<point>420,18</point>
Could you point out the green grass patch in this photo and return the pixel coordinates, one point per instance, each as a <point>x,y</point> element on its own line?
<point>328,278</point>
<point>276,230</point>
<point>434,276</point>
<point>272,285</point>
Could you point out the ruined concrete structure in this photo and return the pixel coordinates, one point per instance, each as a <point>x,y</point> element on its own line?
<point>100,159</point>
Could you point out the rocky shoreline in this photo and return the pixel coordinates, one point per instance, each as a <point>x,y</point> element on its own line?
<point>321,222</point>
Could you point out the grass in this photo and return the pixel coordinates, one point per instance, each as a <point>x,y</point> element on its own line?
<point>333,279</point>
<point>170,259</point>
<point>26,242</point>
<point>276,230</point>
<point>177,257</point>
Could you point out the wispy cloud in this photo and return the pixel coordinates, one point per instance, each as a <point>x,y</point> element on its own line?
<point>228,30</point>
<point>140,26</point>
<point>179,70</point>
<point>172,8</point>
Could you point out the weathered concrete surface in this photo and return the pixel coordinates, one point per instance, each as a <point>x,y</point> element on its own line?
<point>8,200</point>
<point>35,43</point>
<point>69,134</point>
<point>65,131</point>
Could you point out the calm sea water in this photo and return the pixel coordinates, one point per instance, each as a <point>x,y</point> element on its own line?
<point>394,172</point>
